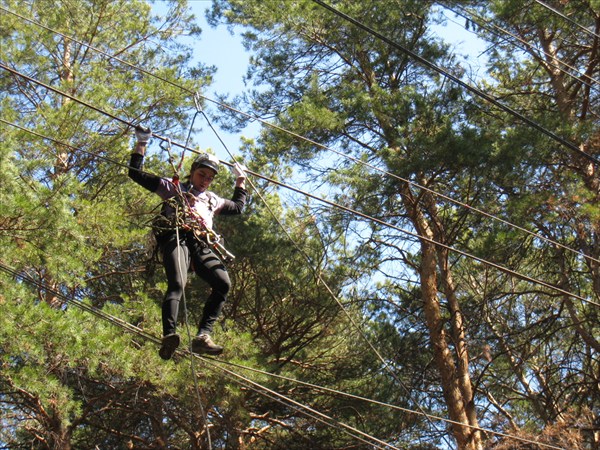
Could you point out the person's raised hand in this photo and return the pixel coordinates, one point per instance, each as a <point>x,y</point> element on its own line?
<point>143,134</point>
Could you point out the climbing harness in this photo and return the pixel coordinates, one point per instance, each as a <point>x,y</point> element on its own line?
<point>185,218</point>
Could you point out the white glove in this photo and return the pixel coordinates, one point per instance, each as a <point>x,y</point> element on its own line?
<point>142,134</point>
<point>239,170</point>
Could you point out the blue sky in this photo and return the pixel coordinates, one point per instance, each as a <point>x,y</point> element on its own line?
<point>219,47</point>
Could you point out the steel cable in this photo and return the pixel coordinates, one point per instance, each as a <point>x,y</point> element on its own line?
<point>212,362</point>
<point>300,137</point>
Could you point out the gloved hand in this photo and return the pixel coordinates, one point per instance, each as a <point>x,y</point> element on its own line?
<point>143,134</point>
<point>239,170</point>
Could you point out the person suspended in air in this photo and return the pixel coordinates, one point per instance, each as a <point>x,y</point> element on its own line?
<point>190,208</point>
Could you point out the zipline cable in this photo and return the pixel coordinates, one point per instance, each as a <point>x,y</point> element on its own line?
<point>321,417</point>
<point>335,392</point>
<point>20,275</point>
<point>129,124</point>
<point>86,104</point>
<point>319,279</point>
<point>211,361</point>
<point>300,137</point>
<point>119,322</point>
<point>458,81</point>
<point>257,387</point>
<point>567,18</point>
<point>491,27</point>
<point>64,144</point>
<point>417,236</point>
<point>267,393</point>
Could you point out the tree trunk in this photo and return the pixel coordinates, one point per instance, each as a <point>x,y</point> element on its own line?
<point>66,75</point>
<point>456,383</point>
<point>460,345</point>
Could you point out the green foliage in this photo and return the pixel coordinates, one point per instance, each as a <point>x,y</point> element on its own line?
<point>346,90</point>
<point>72,221</point>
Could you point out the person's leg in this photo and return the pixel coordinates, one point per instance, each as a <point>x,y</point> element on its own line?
<point>176,263</point>
<point>210,268</point>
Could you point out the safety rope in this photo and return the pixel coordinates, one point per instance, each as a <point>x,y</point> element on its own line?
<point>189,336</point>
<point>129,328</point>
<point>186,219</point>
<point>295,135</point>
<point>177,169</point>
<point>460,82</point>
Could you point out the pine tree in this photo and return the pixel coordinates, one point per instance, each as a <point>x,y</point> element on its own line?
<point>72,230</point>
<point>346,89</point>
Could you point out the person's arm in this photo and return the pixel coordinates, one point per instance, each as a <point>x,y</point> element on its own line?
<point>144,179</point>
<point>240,195</point>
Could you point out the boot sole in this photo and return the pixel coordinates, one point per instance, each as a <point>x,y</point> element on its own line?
<point>168,346</point>
<point>205,351</point>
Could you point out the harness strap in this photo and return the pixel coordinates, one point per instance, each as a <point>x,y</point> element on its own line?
<point>185,218</point>
<point>190,220</point>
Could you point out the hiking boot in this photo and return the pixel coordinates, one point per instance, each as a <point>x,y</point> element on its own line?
<point>204,344</point>
<point>169,344</point>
